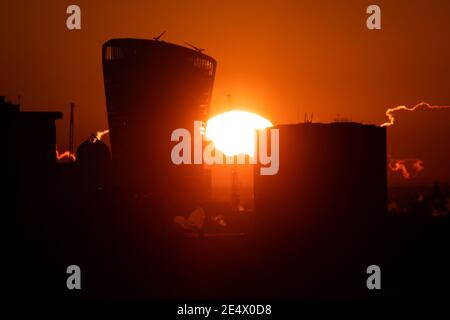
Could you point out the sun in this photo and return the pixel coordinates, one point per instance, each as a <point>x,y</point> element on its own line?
<point>233,132</point>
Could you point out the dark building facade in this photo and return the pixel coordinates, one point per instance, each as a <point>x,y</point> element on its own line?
<point>153,88</point>
<point>320,217</point>
<point>29,145</point>
<point>27,165</point>
<point>93,164</point>
<point>329,174</point>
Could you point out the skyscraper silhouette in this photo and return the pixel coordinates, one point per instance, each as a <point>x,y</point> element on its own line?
<point>153,87</point>
<point>323,212</point>
<point>330,175</point>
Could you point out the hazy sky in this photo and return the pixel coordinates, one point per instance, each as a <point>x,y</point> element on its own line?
<point>277,58</point>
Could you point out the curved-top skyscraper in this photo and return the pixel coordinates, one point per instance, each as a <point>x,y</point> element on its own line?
<point>153,87</point>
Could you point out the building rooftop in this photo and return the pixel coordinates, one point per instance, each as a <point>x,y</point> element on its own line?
<point>147,43</point>
<point>13,110</point>
<point>328,125</point>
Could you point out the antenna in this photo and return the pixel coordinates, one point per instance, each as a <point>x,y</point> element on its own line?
<point>194,47</point>
<point>160,35</point>
<point>71,130</point>
<point>310,119</point>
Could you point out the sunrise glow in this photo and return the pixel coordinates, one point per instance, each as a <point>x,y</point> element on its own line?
<point>233,132</point>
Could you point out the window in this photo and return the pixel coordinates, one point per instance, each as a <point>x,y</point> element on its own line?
<point>114,53</point>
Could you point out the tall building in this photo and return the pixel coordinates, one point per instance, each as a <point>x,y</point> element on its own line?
<point>152,88</point>
<point>27,197</point>
<point>29,150</point>
<point>320,217</point>
<point>329,175</point>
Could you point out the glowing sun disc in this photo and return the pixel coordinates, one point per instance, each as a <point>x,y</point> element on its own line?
<point>233,132</point>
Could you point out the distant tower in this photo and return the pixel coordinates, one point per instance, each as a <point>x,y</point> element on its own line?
<point>71,130</point>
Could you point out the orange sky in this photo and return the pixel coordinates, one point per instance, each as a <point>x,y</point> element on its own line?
<point>276,58</point>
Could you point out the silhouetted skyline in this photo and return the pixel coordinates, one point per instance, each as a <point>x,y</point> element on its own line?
<point>330,198</point>
<point>279,59</point>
